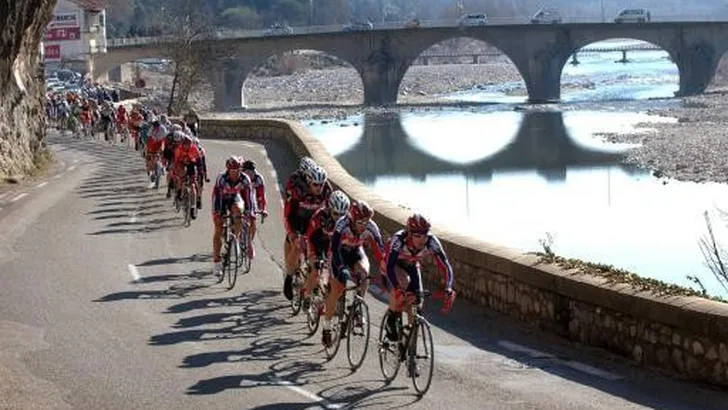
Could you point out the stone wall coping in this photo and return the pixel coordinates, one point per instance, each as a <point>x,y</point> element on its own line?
<point>699,315</point>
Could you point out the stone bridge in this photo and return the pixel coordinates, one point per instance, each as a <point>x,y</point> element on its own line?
<point>542,143</point>
<point>382,57</point>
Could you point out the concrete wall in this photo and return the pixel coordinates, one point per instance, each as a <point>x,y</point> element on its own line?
<point>685,335</point>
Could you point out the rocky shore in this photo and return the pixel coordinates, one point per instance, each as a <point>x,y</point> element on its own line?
<point>691,148</point>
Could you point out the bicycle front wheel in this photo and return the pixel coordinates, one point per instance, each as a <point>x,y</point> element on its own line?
<point>357,337</point>
<point>388,352</point>
<point>421,358</point>
<point>232,263</point>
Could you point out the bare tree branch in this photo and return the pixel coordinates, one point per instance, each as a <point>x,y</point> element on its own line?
<point>714,254</point>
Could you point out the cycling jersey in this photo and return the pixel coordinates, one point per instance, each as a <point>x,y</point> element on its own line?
<point>399,253</point>
<point>226,192</point>
<point>318,234</point>
<point>184,156</point>
<point>301,204</point>
<point>346,245</point>
<point>259,190</point>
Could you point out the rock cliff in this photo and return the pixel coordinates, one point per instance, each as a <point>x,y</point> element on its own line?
<point>22,117</point>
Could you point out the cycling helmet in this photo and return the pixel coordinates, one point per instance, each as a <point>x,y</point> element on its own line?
<point>306,164</point>
<point>232,162</point>
<point>339,202</point>
<point>417,223</point>
<point>179,136</point>
<point>316,175</point>
<point>249,165</point>
<point>360,211</point>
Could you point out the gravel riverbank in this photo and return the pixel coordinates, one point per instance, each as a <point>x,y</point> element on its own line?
<point>693,147</point>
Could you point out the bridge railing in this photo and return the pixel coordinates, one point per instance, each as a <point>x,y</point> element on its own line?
<point>390,25</point>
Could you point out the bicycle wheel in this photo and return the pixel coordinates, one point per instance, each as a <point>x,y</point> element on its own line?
<point>232,265</point>
<point>338,321</point>
<point>357,335</point>
<point>186,206</point>
<point>313,315</point>
<point>421,353</point>
<point>245,261</point>
<point>296,285</point>
<point>388,353</point>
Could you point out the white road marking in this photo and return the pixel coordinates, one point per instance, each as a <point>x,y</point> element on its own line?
<point>41,185</point>
<point>72,167</point>
<point>59,175</point>
<point>307,394</point>
<point>134,272</point>
<point>21,196</point>
<point>3,195</point>
<point>536,354</point>
<point>523,349</point>
<point>593,370</point>
<point>133,218</point>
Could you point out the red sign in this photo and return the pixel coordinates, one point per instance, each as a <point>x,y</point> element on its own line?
<point>62,34</point>
<point>52,52</point>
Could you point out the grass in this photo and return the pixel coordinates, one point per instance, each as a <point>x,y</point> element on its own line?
<point>614,275</point>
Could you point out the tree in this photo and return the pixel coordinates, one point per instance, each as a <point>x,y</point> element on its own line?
<point>241,17</point>
<point>186,24</point>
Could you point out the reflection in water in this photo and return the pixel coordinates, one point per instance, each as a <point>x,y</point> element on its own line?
<point>545,176</point>
<point>540,143</point>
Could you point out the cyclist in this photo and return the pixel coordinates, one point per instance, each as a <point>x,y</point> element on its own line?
<point>154,145</point>
<point>297,180</point>
<point>260,200</point>
<point>231,193</point>
<point>348,260</point>
<point>297,210</point>
<point>318,237</point>
<point>407,248</point>
<point>186,160</point>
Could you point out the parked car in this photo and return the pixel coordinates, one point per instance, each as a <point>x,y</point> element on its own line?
<point>358,26</point>
<point>546,15</point>
<point>478,19</point>
<point>278,29</point>
<point>413,24</point>
<point>633,16</point>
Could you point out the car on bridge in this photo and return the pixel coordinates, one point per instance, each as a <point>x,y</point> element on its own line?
<point>358,26</point>
<point>546,15</point>
<point>278,29</point>
<point>633,16</point>
<point>477,19</point>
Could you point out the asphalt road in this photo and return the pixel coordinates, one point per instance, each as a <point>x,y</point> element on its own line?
<point>107,302</point>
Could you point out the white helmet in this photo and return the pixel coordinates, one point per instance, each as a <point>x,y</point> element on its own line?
<point>339,202</point>
<point>316,175</point>
<point>306,164</point>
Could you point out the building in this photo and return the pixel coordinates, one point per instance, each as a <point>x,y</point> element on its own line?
<point>76,31</point>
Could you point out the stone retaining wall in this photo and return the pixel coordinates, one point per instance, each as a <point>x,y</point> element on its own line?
<point>685,335</point>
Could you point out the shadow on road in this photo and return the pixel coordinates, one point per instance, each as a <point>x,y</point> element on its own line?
<point>121,190</point>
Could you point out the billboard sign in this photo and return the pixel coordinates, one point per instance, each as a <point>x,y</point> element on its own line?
<point>65,19</point>
<point>52,52</point>
<point>62,34</point>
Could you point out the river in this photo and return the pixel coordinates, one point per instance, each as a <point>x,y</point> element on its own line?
<point>514,175</point>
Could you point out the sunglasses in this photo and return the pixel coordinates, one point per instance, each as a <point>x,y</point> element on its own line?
<point>418,235</point>
<point>317,184</point>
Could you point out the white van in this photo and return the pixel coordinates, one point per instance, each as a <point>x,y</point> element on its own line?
<point>479,19</point>
<point>633,16</point>
<point>546,16</point>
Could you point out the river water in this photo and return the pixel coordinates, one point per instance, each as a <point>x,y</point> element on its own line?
<point>515,176</point>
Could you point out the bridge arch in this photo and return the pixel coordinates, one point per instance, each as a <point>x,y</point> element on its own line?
<point>314,75</point>
<point>105,62</point>
<point>474,63</point>
<point>619,68</point>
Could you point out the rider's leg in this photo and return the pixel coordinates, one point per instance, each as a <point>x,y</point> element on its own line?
<point>397,302</point>
<point>216,242</point>
<point>361,268</point>
<point>317,248</point>
<point>337,286</point>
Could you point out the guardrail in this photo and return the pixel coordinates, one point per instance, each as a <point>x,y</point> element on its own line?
<point>390,25</point>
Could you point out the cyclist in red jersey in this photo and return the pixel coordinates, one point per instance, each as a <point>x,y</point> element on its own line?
<point>186,162</point>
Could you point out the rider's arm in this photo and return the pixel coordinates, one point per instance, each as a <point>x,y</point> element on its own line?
<point>375,241</point>
<point>337,259</point>
<point>441,260</point>
<point>392,256</point>
<point>260,194</point>
<point>290,206</point>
